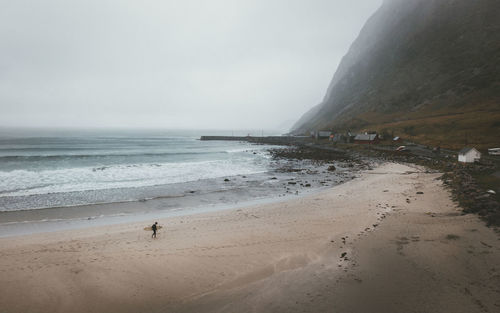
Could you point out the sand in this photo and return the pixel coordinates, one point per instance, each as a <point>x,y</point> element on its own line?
<point>369,245</point>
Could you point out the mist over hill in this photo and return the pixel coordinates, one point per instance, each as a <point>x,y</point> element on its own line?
<point>428,70</point>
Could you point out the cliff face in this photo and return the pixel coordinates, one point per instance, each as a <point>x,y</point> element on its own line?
<point>423,69</point>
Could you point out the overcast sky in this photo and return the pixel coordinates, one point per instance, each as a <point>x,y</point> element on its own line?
<point>221,64</point>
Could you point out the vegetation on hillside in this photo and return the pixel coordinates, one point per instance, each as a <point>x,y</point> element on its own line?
<point>428,70</point>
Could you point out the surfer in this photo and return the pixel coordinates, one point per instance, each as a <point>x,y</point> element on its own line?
<point>154,227</point>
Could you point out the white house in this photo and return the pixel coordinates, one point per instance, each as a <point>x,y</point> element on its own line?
<point>468,155</point>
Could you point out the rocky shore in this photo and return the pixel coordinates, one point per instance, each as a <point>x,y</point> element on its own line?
<point>470,184</point>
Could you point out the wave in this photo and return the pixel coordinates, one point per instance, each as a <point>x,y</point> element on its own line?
<point>27,182</point>
<point>97,155</point>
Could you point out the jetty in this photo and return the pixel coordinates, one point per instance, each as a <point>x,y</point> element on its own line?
<point>279,140</point>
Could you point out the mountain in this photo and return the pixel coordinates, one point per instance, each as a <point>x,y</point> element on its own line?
<point>428,70</point>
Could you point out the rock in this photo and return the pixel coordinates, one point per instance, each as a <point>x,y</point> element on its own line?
<point>331,168</point>
<point>343,254</point>
<point>420,192</point>
<point>484,196</point>
<point>226,179</point>
<point>292,183</point>
<point>491,192</point>
<point>274,178</point>
<point>308,185</point>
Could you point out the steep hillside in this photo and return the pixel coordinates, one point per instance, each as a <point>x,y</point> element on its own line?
<point>424,69</point>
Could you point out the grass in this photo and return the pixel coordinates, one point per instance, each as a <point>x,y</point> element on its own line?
<point>472,123</point>
<point>451,131</point>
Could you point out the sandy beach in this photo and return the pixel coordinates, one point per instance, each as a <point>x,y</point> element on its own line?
<point>390,240</point>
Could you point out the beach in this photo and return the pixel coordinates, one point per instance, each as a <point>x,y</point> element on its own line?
<point>390,240</point>
<point>72,181</point>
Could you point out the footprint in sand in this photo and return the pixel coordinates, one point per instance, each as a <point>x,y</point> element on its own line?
<point>400,243</point>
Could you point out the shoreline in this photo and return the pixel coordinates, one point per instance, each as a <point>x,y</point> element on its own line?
<point>373,237</point>
<point>286,180</point>
<point>109,220</point>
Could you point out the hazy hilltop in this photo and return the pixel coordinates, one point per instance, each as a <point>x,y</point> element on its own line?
<point>424,69</point>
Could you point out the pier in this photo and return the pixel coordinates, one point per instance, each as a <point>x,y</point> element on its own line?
<point>279,140</point>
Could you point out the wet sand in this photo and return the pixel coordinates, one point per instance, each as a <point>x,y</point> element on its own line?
<point>287,178</point>
<point>388,241</point>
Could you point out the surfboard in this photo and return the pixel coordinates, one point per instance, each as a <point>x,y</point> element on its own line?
<point>151,229</point>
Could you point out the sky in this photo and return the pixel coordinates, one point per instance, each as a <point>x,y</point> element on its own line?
<point>218,64</point>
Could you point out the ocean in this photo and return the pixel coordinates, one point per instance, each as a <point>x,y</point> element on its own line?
<point>54,169</point>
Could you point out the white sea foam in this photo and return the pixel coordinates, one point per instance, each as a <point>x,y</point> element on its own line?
<point>101,167</point>
<point>28,182</point>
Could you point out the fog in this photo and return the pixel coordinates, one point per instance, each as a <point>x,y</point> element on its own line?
<point>220,64</point>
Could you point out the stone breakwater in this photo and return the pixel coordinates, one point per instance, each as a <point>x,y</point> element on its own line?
<point>277,140</point>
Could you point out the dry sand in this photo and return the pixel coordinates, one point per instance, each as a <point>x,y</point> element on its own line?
<point>404,252</point>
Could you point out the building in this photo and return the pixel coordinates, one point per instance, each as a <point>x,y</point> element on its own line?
<point>468,155</point>
<point>323,134</point>
<point>366,139</point>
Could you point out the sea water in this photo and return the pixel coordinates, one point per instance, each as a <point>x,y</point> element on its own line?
<point>57,168</point>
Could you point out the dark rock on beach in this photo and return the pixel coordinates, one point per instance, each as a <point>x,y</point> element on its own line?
<point>331,168</point>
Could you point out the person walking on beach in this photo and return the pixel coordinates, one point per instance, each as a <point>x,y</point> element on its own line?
<point>154,228</point>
